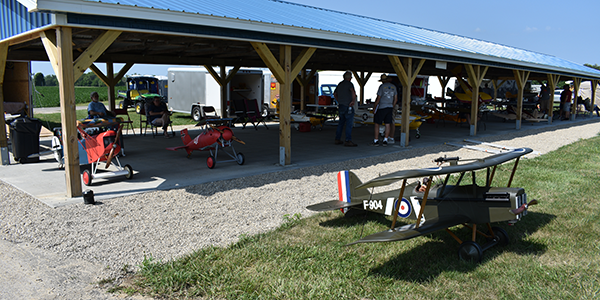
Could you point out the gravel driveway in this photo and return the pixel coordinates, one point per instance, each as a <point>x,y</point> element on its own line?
<point>62,253</point>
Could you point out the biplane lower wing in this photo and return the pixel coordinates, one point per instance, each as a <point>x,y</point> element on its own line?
<point>177,148</point>
<point>332,205</point>
<point>410,231</point>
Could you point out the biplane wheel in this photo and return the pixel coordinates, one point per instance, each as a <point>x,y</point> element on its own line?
<point>418,136</point>
<point>87,177</point>
<point>470,251</point>
<point>211,162</point>
<point>501,236</point>
<point>129,170</point>
<point>240,158</point>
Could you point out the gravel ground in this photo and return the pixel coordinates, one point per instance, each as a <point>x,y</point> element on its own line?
<point>93,242</point>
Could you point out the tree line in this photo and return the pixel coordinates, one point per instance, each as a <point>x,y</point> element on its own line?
<point>87,79</point>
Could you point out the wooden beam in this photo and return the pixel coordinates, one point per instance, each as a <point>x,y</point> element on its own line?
<point>285,109</point>
<point>269,59</point>
<point>122,72</point>
<point>303,79</point>
<point>362,81</point>
<point>66,82</point>
<point>100,75</point>
<point>222,80</point>
<point>521,78</point>
<point>576,85</point>
<point>476,75</point>
<point>496,86</point>
<point>593,84</point>
<point>301,60</point>
<point>552,83</point>
<point>49,42</point>
<point>110,75</point>
<point>443,82</point>
<point>89,56</point>
<point>407,74</point>
<point>4,156</point>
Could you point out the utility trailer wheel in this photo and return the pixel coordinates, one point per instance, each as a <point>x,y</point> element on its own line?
<point>211,162</point>
<point>470,251</point>
<point>87,177</point>
<point>129,171</point>
<point>196,113</point>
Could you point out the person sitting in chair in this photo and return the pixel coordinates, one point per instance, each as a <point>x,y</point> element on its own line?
<point>96,109</point>
<point>158,115</point>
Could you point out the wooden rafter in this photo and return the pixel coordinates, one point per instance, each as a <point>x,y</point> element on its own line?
<point>269,59</point>
<point>98,46</point>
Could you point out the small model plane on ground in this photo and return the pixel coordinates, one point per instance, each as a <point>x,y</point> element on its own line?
<point>366,116</point>
<point>441,205</point>
<point>212,139</point>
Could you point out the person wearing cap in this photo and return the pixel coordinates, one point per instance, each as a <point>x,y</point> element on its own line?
<point>346,97</point>
<point>387,97</point>
<point>96,109</point>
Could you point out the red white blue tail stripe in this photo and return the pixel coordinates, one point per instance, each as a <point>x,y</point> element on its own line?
<point>344,186</point>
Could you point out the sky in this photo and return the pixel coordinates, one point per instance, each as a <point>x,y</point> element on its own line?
<point>564,29</point>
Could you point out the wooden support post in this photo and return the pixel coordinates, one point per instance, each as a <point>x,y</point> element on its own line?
<point>476,75</point>
<point>304,79</point>
<point>443,82</point>
<point>552,83</point>
<point>576,85</point>
<point>362,81</point>
<point>3,140</point>
<point>593,85</point>
<point>285,72</point>
<point>223,80</point>
<point>496,86</point>
<point>407,74</point>
<point>521,78</point>
<point>111,87</point>
<point>66,80</point>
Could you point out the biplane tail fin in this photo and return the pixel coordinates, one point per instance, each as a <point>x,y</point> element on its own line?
<point>185,137</point>
<point>347,183</point>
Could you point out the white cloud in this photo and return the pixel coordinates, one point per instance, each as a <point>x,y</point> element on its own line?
<point>531,29</point>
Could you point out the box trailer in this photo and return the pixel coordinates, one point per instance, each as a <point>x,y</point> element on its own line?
<point>192,88</point>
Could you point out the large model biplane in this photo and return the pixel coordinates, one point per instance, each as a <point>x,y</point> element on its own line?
<point>441,205</point>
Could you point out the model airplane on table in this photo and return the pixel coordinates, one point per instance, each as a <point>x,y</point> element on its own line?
<point>439,206</point>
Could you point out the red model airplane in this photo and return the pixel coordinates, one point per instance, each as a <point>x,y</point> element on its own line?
<point>211,139</point>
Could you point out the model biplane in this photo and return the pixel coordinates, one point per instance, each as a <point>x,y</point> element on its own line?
<point>441,205</point>
<point>96,148</point>
<point>365,116</point>
<point>212,138</point>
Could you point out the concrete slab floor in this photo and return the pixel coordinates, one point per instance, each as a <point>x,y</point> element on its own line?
<point>156,168</point>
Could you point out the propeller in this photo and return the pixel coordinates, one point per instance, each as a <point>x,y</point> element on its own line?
<point>112,150</point>
<point>523,207</point>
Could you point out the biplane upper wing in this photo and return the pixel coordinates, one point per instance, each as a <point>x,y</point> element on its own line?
<point>476,165</point>
<point>332,205</point>
<point>410,231</point>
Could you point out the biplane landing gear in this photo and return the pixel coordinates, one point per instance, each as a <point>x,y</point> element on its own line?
<point>129,170</point>
<point>87,177</point>
<point>211,162</point>
<point>500,236</point>
<point>470,251</point>
<point>240,159</point>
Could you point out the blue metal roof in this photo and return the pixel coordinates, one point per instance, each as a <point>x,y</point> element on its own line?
<point>16,20</point>
<point>285,18</point>
<point>297,15</point>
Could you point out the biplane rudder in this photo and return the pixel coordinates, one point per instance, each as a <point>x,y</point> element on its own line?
<point>185,137</point>
<point>347,183</point>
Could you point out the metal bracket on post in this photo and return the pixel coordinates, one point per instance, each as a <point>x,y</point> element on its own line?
<point>5,156</point>
<point>282,156</point>
<point>402,139</point>
<point>472,133</point>
<point>518,124</point>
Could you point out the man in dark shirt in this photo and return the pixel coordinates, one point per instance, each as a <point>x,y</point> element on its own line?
<point>158,115</point>
<point>346,97</point>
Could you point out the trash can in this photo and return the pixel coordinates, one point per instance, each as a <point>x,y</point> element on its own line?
<point>25,138</point>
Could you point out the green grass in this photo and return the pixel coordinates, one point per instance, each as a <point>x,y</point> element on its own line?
<point>49,95</point>
<point>553,252</point>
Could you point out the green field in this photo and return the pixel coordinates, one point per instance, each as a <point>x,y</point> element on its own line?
<point>48,96</point>
<point>553,251</point>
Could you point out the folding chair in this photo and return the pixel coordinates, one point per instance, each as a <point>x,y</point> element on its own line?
<point>209,112</point>
<point>239,110</point>
<point>253,113</point>
<point>153,128</point>
<point>128,123</point>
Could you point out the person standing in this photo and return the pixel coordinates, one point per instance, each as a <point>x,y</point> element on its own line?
<point>565,102</point>
<point>387,97</point>
<point>544,97</point>
<point>346,97</point>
